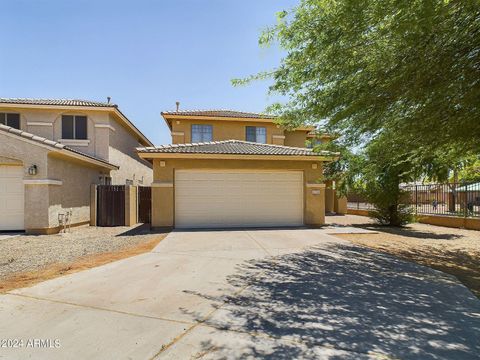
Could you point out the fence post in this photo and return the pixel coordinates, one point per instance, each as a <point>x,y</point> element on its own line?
<point>93,205</point>
<point>130,205</point>
<point>416,200</point>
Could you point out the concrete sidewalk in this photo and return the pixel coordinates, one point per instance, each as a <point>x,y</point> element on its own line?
<point>246,294</point>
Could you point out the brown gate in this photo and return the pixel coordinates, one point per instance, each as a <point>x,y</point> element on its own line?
<point>144,204</point>
<point>110,205</point>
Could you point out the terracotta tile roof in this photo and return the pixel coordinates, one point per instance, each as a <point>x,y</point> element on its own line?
<point>51,143</point>
<point>234,147</point>
<point>220,113</point>
<point>56,102</point>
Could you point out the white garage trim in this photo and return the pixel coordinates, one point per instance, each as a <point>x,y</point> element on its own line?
<point>238,198</point>
<point>12,197</point>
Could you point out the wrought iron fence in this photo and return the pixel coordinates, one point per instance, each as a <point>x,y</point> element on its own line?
<point>452,199</point>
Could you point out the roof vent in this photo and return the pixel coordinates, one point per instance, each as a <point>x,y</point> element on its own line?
<point>108,99</point>
<point>178,105</point>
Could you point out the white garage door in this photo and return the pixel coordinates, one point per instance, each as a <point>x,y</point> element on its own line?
<point>11,198</point>
<point>214,199</point>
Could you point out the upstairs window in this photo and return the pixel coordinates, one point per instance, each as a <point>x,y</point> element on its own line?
<point>202,133</point>
<point>256,134</point>
<point>10,119</point>
<point>74,127</point>
<point>313,142</point>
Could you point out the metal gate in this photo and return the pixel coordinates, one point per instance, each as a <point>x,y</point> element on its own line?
<point>145,204</point>
<point>110,205</point>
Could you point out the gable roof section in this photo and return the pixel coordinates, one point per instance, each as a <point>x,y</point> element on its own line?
<point>219,113</point>
<point>222,114</point>
<point>56,102</point>
<point>56,146</point>
<point>78,104</point>
<point>234,147</point>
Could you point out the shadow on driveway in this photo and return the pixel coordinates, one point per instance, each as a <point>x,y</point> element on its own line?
<point>352,299</point>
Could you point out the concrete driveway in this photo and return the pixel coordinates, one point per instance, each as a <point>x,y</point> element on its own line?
<point>279,294</point>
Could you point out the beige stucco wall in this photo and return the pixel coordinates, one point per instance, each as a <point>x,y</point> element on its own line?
<point>13,150</point>
<point>108,139</point>
<point>74,193</point>
<point>235,129</point>
<point>295,138</point>
<point>43,202</point>
<point>329,199</point>
<point>122,152</point>
<point>51,128</point>
<point>222,130</point>
<point>164,179</point>
<point>131,207</point>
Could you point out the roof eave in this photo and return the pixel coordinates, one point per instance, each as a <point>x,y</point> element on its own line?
<point>215,156</point>
<point>68,153</point>
<point>147,142</point>
<point>64,151</point>
<point>168,117</point>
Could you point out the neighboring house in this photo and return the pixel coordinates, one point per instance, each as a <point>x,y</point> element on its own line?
<point>235,169</point>
<point>51,151</point>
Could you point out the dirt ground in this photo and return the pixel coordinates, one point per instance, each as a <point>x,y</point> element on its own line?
<point>27,259</point>
<point>454,251</point>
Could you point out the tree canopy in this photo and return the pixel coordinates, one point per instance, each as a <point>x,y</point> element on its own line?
<point>406,70</point>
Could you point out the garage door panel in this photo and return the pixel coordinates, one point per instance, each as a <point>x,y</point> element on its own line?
<point>238,198</point>
<point>11,198</point>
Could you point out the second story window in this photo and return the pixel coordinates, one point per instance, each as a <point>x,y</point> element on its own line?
<point>256,134</point>
<point>202,133</point>
<point>10,119</point>
<point>313,142</point>
<point>74,127</point>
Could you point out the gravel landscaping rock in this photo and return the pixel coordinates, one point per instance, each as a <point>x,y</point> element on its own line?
<point>20,253</point>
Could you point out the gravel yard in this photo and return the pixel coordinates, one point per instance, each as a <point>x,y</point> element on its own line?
<point>454,251</point>
<point>23,253</point>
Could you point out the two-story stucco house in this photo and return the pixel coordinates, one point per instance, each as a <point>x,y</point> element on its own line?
<point>235,169</point>
<point>51,151</point>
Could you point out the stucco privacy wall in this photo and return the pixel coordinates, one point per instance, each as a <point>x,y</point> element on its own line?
<point>222,130</point>
<point>164,179</point>
<point>122,151</point>
<point>74,193</point>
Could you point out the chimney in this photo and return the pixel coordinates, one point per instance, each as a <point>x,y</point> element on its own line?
<point>108,99</point>
<point>178,105</point>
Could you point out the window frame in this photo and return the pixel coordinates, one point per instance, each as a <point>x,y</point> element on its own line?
<point>74,127</point>
<point>256,133</point>
<point>5,114</point>
<point>202,133</point>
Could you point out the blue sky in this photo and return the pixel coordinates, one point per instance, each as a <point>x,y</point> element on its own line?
<point>144,54</point>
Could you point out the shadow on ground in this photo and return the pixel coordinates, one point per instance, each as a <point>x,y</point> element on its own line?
<point>403,231</point>
<point>347,298</point>
<point>141,229</point>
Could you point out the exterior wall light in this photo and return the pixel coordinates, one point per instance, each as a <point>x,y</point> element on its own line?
<point>32,170</point>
